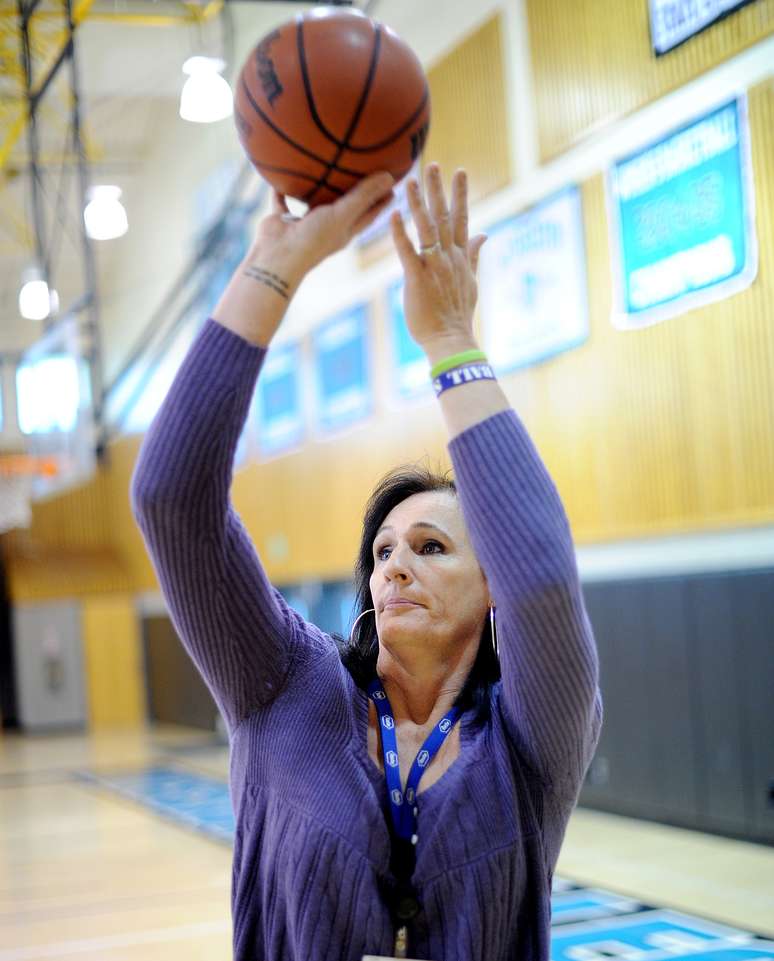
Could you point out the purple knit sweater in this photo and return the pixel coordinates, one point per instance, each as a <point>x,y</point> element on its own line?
<point>312,850</point>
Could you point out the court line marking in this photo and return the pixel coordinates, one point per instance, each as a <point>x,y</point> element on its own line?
<point>157,936</point>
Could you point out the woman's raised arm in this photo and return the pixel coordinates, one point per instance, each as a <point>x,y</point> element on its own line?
<point>513,512</point>
<point>234,625</point>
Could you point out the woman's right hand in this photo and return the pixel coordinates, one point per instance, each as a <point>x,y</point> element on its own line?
<point>303,242</point>
<point>286,248</point>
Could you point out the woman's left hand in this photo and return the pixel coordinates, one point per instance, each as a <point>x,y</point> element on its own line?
<point>440,289</point>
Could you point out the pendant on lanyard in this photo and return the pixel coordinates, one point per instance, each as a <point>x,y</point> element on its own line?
<point>403,807</point>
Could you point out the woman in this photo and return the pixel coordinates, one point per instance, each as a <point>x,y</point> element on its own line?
<point>419,807</point>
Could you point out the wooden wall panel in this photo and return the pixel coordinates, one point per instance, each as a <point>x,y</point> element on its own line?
<point>126,537</point>
<point>114,667</point>
<point>592,61</point>
<point>668,428</point>
<point>469,119</point>
<point>77,519</point>
<point>469,122</point>
<point>38,573</point>
<point>68,549</point>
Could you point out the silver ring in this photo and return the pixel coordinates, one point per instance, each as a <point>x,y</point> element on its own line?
<point>431,249</point>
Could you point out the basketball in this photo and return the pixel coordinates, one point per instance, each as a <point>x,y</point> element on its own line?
<point>327,99</point>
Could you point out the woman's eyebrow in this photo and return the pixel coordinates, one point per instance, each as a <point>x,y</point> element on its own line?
<point>429,526</point>
<point>421,524</point>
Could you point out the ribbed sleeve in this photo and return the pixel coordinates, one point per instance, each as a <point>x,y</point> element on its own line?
<point>234,625</point>
<point>548,655</point>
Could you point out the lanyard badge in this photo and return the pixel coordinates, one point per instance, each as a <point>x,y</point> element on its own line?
<point>404,806</point>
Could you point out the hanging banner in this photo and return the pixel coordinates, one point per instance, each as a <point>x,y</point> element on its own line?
<point>278,401</point>
<point>342,372</point>
<point>682,220</point>
<point>672,22</point>
<point>410,367</point>
<point>533,283</point>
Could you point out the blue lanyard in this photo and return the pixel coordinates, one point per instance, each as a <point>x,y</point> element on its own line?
<point>403,808</point>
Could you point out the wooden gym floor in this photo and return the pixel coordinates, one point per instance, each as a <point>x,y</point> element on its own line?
<point>85,874</point>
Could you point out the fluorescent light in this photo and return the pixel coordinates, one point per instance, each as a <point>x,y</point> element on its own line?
<point>104,214</point>
<point>206,96</point>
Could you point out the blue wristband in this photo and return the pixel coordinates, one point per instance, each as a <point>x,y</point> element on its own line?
<point>462,375</point>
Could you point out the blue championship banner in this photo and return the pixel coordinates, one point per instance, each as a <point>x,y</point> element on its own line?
<point>682,219</point>
<point>342,370</point>
<point>278,399</point>
<point>672,22</point>
<point>533,283</point>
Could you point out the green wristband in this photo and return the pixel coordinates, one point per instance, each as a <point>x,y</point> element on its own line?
<point>457,360</point>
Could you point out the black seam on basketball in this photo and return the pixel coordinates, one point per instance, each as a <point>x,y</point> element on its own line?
<point>393,137</point>
<point>358,109</point>
<point>299,175</point>
<point>308,85</point>
<point>369,148</point>
<point>307,153</point>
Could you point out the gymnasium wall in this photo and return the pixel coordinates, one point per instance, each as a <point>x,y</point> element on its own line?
<point>660,431</point>
<point>592,62</point>
<point>635,426</point>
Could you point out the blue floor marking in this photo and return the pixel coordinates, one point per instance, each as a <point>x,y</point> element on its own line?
<point>649,935</point>
<point>200,802</point>
<point>589,924</point>
<point>586,904</point>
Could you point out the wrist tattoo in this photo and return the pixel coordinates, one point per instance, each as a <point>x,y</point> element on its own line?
<point>270,279</point>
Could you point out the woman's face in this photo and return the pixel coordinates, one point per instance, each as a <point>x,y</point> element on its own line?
<point>427,585</point>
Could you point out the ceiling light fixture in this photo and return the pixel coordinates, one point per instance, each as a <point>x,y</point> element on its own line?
<point>206,95</point>
<point>36,300</point>
<point>104,214</point>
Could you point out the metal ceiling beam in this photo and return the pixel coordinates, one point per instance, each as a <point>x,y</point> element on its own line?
<point>54,59</point>
<point>192,14</point>
<point>41,247</point>
<point>88,302</point>
<point>27,9</point>
<point>188,11</point>
<point>92,324</point>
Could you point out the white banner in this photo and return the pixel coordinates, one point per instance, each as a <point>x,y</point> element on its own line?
<point>533,283</point>
<point>674,21</point>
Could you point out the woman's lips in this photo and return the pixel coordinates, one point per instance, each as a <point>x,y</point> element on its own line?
<point>399,603</point>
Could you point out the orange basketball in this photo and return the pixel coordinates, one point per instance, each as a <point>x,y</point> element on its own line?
<point>328,98</point>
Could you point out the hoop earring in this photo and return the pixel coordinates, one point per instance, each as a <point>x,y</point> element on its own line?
<point>493,631</point>
<point>371,610</point>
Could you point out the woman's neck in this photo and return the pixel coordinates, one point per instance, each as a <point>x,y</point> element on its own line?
<point>421,692</point>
